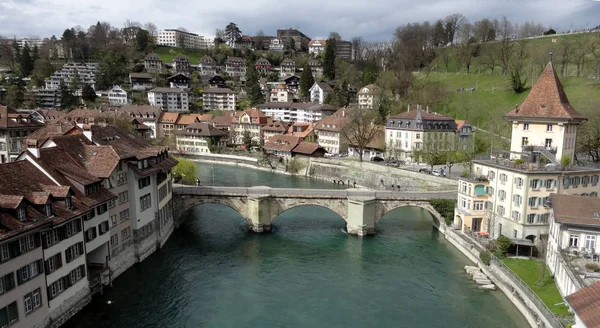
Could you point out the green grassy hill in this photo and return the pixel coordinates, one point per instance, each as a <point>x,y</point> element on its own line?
<point>537,54</point>
<point>493,97</point>
<point>167,54</point>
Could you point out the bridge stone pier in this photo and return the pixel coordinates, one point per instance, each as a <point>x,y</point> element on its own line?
<point>259,206</point>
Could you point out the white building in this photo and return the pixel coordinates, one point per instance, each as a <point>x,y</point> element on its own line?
<point>316,47</point>
<point>117,96</point>
<point>368,96</point>
<point>296,112</point>
<point>281,93</point>
<point>276,45</point>
<point>198,138</point>
<point>86,73</point>
<point>574,231</point>
<point>219,99</point>
<point>330,134</point>
<point>319,91</point>
<point>170,99</point>
<point>518,183</point>
<point>183,39</point>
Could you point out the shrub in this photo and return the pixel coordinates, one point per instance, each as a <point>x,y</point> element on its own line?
<point>593,267</point>
<point>445,207</point>
<point>485,257</point>
<point>295,165</point>
<point>464,174</point>
<point>519,161</point>
<point>503,244</point>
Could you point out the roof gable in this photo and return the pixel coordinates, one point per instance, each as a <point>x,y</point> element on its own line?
<point>547,99</point>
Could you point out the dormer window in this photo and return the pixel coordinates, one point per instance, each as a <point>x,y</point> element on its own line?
<point>21,214</point>
<point>68,202</point>
<point>48,209</point>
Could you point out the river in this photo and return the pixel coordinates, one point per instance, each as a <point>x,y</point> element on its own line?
<point>306,273</point>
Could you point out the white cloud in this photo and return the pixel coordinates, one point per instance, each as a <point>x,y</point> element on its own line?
<point>370,19</point>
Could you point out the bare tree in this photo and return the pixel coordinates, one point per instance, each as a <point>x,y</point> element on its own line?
<point>363,127</point>
<point>520,53</point>
<point>357,48</point>
<point>566,52</point>
<point>335,35</point>
<point>151,28</point>
<point>505,32</point>
<point>490,58</point>
<point>588,139</point>
<point>454,23</point>
<point>182,29</point>
<point>484,31</point>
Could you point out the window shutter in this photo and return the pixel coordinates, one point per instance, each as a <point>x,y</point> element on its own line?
<point>78,225</point>
<point>44,240</point>
<point>49,293</point>
<point>14,249</point>
<point>82,270</point>
<point>20,276</point>
<point>37,237</point>
<point>59,260</point>
<point>47,266</point>
<point>80,245</point>
<point>68,255</point>
<point>40,265</point>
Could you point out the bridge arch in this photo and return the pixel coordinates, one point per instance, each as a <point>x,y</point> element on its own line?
<point>384,207</point>
<point>281,205</point>
<point>183,204</point>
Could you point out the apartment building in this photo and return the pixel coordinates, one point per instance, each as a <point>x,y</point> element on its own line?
<point>319,92</point>
<point>295,37</point>
<point>199,138</point>
<point>274,128</point>
<point>170,99</point>
<point>153,63</point>
<point>207,66</point>
<point>263,66</point>
<point>86,73</point>
<point>343,49</point>
<point>46,98</point>
<point>117,96</point>
<point>179,80</point>
<point>315,68</point>
<point>183,39</point>
<point>166,124</point>
<point>281,93</point>
<point>249,122</point>
<point>420,129</point>
<point>235,66</point>
<point>296,112</point>
<point>141,81</point>
<point>219,99</point>
<point>330,134</point>
<point>181,63</point>
<point>14,129</point>
<point>368,96</point>
<point>288,68</point>
<point>518,183</point>
<point>316,47</point>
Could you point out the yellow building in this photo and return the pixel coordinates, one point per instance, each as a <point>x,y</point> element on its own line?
<point>518,183</point>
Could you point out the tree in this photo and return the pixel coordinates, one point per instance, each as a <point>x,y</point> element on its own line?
<point>306,82</point>
<point>588,139</point>
<point>483,31</point>
<point>503,243</point>
<point>384,105</point>
<point>517,82</point>
<point>142,40</point>
<point>439,34</point>
<point>41,69</point>
<point>75,83</point>
<point>232,34</point>
<point>335,36</point>
<point>247,140</point>
<point>185,171</point>
<point>151,28</point>
<point>490,56</point>
<point>550,32</point>
<point>454,22</point>
<point>329,59</point>
<point>112,70</point>
<point>26,61</point>
<point>260,40</point>
<point>253,87</point>
<point>338,97</point>
<point>357,48</point>
<point>506,44</point>
<point>15,95</point>
<point>67,99</point>
<point>88,93</point>
<point>363,127</point>
<point>370,72</point>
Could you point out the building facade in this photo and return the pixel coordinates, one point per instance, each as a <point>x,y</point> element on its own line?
<point>219,99</point>
<point>368,96</point>
<point>14,129</point>
<point>170,99</point>
<point>296,112</point>
<point>235,66</point>
<point>207,66</point>
<point>117,96</point>
<point>183,39</point>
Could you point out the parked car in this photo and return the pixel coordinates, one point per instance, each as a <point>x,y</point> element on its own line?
<point>436,173</point>
<point>426,171</point>
<point>393,164</point>
<point>343,155</point>
<point>329,155</point>
<point>377,159</point>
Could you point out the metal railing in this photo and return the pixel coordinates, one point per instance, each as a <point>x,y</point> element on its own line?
<point>529,293</point>
<point>313,193</point>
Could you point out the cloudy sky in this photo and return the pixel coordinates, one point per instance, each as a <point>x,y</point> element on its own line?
<point>374,20</point>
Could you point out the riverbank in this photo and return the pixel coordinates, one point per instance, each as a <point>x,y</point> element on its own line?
<point>364,174</point>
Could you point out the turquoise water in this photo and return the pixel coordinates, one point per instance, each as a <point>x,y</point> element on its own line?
<point>306,273</point>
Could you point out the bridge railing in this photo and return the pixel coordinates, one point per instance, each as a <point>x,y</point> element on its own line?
<point>293,192</point>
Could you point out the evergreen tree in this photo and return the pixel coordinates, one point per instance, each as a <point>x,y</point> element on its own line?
<point>342,98</point>
<point>370,72</point>
<point>27,61</point>
<point>329,60</point>
<point>112,70</point>
<point>142,40</point>
<point>17,52</point>
<point>88,93</point>
<point>35,54</point>
<point>306,81</point>
<point>253,87</point>
<point>15,95</point>
<point>67,99</point>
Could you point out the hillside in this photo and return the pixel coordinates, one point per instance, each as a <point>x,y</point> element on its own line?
<point>167,54</point>
<point>493,97</point>
<point>536,51</point>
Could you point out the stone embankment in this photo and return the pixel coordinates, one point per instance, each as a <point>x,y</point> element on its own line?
<point>480,278</point>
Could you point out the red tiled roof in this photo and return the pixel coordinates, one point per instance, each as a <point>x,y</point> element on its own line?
<point>282,143</point>
<point>577,210</point>
<point>311,42</point>
<point>203,130</point>
<point>307,148</point>
<point>10,201</point>
<point>37,197</point>
<point>10,118</point>
<point>276,126</point>
<point>460,124</point>
<point>335,122</point>
<point>222,120</point>
<point>191,118</point>
<point>166,117</point>
<point>547,99</point>
<point>307,128</point>
<point>101,161</point>
<point>586,304</point>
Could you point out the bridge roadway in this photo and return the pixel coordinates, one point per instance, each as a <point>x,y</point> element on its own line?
<point>360,208</point>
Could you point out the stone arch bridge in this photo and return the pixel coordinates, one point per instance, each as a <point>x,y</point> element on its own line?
<point>259,206</point>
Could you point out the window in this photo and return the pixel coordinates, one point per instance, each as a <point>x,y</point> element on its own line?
<point>549,128</point>
<point>518,182</point>
<point>21,214</point>
<point>590,242</point>
<point>68,202</point>
<point>53,263</point>
<point>113,219</point>
<point>500,210</point>
<point>548,143</point>
<point>74,252</point>
<point>92,189</point>
<point>418,136</point>
<point>90,234</point>
<point>503,178</point>
<point>526,127</point>
<point>112,203</point>
<point>125,233</point>
<point>549,184</point>
<point>574,241</point>
<point>145,202</point>
<point>534,184</point>
<point>7,283</point>
<point>114,240</point>
<point>502,194</point>
<point>542,218</point>
<point>517,200</point>
<point>123,197</point>
<point>4,252</point>
<point>103,227</point>
<point>9,315</point>
<point>124,215</point>
<point>478,205</point>
<point>37,298</point>
<point>530,218</point>
<point>515,233</point>
<point>516,215</point>
<point>48,209</point>
<point>533,202</point>
<point>28,303</point>
<point>524,141</point>
<point>143,182</point>
<point>594,180</point>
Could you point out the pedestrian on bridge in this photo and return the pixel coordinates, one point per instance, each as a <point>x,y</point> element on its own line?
<point>354,184</point>
<point>198,182</point>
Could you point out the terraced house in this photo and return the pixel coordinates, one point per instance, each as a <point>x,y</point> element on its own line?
<point>70,226</point>
<point>14,128</point>
<point>508,194</point>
